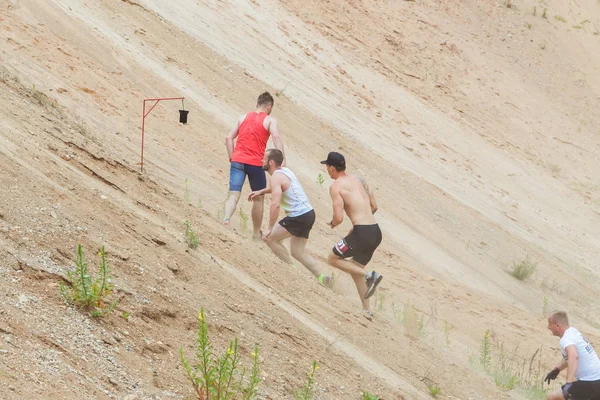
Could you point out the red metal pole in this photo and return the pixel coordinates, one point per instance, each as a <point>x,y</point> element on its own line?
<point>145,114</point>
<point>143,118</point>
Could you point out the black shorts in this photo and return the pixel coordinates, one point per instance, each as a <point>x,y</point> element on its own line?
<point>299,226</point>
<point>585,390</point>
<point>360,244</point>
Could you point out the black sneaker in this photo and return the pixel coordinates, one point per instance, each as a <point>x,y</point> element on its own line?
<point>373,279</point>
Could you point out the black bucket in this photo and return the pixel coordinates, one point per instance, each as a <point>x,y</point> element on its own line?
<point>183,116</point>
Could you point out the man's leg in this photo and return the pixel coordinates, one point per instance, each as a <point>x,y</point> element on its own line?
<point>231,205</point>
<point>556,395</point>
<point>357,272</point>
<point>258,205</point>
<point>274,242</point>
<point>297,248</point>
<point>258,181</point>
<point>237,176</point>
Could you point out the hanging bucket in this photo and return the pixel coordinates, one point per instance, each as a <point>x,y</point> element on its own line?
<point>183,114</point>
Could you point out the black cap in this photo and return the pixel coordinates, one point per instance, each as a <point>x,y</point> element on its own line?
<point>335,159</point>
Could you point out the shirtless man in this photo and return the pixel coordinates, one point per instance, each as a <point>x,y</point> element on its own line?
<point>252,132</point>
<point>287,193</point>
<point>352,195</point>
<point>578,358</point>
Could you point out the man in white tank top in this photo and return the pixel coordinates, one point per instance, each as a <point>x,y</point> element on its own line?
<point>287,193</point>
<point>580,360</point>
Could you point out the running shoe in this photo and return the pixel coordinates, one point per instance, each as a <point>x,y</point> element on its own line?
<point>373,279</point>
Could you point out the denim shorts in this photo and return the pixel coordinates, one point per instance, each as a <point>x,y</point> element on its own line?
<point>237,176</point>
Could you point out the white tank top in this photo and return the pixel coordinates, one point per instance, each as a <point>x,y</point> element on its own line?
<point>294,201</point>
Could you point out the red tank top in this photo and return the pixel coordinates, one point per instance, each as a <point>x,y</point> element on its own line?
<point>252,140</point>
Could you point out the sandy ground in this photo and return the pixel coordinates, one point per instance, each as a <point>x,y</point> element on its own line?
<point>474,122</point>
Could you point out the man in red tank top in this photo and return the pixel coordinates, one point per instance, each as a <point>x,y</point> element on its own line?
<point>252,132</point>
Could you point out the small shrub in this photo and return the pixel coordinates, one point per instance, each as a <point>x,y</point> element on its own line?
<point>190,237</point>
<point>534,11</point>
<point>559,18</point>
<point>306,392</point>
<point>369,396</point>
<point>545,13</point>
<point>545,307</point>
<point>186,193</point>
<point>434,390</point>
<point>447,332</point>
<point>523,269</point>
<point>85,292</point>
<point>219,378</point>
<point>320,179</point>
<point>485,351</point>
<point>243,219</point>
<point>380,301</point>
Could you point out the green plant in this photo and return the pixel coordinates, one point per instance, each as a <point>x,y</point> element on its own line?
<point>485,351</point>
<point>126,315</point>
<point>421,326</point>
<point>306,392</point>
<point>545,307</point>
<point>320,179</point>
<point>510,371</point>
<point>380,301</point>
<point>243,219</point>
<point>528,25</point>
<point>559,18</point>
<point>369,396</point>
<point>545,13</point>
<point>523,269</point>
<point>85,292</point>
<point>447,332</point>
<point>219,378</point>
<point>534,11</point>
<point>190,237</point>
<point>186,193</point>
<point>434,390</point>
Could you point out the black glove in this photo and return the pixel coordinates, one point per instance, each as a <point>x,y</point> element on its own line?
<point>565,389</point>
<point>552,375</point>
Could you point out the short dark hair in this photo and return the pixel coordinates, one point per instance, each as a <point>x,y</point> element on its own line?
<point>265,99</point>
<point>339,168</point>
<point>275,155</point>
<point>560,317</point>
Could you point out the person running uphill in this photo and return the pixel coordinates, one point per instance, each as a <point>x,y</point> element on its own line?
<point>580,360</point>
<point>352,195</point>
<point>287,193</point>
<point>252,131</point>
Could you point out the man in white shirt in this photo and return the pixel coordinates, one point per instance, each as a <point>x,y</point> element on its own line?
<point>287,193</point>
<point>580,360</point>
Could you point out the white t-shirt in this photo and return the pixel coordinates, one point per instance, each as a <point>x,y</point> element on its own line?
<point>589,365</point>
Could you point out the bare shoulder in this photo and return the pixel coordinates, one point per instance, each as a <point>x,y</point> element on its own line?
<point>363,182</point>
<point>335,186</point>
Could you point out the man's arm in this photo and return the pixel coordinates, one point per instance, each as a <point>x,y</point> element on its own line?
<point>257,193</point>
<point>572,362</point>
<point>276,193</point>
<point>561,365</point>
<point>371,195</point>
<point>338,206</point>
<point>232,135</point>
<point>277,142</point>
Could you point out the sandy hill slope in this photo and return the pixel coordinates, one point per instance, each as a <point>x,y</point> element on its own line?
<point>476,123</point>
